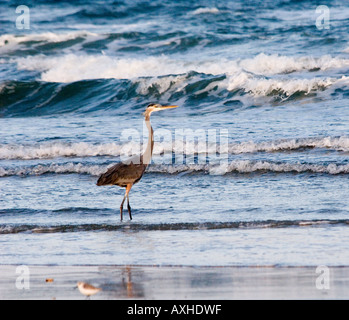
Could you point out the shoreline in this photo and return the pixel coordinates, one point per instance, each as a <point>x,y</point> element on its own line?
<point>130,282</point>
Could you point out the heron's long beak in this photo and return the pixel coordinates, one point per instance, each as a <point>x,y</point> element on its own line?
<point>167,107</point>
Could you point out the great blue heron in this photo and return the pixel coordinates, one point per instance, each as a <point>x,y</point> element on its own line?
<point>127,174</point>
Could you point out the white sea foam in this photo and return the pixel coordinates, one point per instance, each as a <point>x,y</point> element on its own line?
<point>238,166</point>
<point>276,64</point>
<point>54,150</point>
<point>247,166</point>
<point>163,84</point>
<point>287,87</point>
<point>54,168</point>
<point>262,75</point>
<point>72,67</point>
<point>83,149</point>
<point>9,41</point>
<point>205,10</point>
<point>335,143</point>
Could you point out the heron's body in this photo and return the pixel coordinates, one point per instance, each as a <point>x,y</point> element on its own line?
<point>127,174</point>
<point>122,174</point>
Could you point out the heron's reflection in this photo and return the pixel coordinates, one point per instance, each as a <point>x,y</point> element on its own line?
<point>125,282</point>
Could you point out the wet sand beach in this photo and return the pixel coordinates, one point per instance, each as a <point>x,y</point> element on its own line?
<point>174,283</point>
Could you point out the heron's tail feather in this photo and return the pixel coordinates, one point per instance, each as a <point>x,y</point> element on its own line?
<point>102,180</point>
<point>109,177</point>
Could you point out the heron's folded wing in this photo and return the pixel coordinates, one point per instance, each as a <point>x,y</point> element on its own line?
<point>109,176</point>
<point>122,174</point>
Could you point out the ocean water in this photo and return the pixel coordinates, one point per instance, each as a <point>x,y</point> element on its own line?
<point>251,169</point>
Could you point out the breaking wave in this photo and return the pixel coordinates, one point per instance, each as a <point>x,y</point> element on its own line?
<point>93,83</point>
<point>84,149</point>
<point>234,166</point>
<point>74,67</point>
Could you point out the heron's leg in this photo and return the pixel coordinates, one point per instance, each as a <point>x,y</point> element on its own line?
<point>129,208</point>
<point>122,205</point>
<point>128,188</point>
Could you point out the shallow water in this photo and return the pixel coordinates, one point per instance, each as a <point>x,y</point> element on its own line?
<point>252,169</point>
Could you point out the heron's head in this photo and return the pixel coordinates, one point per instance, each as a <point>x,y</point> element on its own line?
<point>152,107</point>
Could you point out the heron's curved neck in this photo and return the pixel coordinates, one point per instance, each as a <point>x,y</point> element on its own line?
<point>149,150</point>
